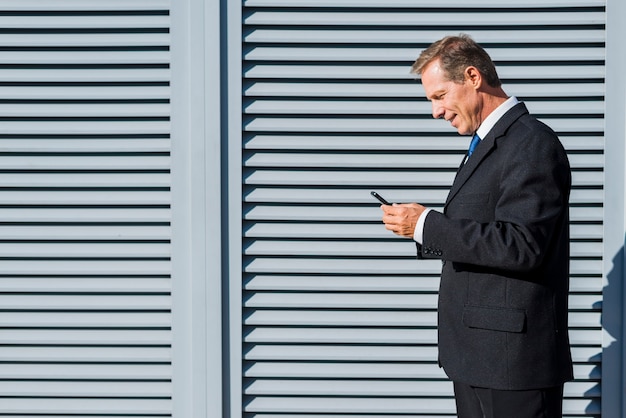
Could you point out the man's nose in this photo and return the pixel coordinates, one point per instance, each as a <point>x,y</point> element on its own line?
<point>438,111</point>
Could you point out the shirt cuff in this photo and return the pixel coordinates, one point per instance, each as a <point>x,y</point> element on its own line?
<point>418,234</point>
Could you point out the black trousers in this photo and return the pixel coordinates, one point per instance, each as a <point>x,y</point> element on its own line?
<point>474,402</point>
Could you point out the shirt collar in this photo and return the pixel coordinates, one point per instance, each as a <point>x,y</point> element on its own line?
<point>495,116</point>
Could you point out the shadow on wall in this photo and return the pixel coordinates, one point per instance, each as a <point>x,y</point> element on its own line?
<point>611,306</point>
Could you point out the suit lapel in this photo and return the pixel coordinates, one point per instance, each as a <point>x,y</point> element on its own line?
<point>484,149</point>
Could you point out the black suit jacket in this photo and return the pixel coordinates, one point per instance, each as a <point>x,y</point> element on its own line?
<point>504,239</point>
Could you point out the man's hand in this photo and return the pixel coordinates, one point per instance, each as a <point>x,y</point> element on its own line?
<point>401,218</point>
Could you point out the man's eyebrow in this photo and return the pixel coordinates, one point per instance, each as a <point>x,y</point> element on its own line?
<point>435,94</point>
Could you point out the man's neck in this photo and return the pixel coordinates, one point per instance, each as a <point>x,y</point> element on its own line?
<point>493,97</point>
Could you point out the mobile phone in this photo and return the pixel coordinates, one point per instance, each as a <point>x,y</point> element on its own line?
<point>380,198</point>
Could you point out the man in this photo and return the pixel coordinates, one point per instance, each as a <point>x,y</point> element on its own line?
<point>503,237</point>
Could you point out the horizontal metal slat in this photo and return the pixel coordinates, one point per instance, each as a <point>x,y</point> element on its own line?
<point>352,196</point>
<point>348,335</point>
<point>383,160</point>
<point>587,354</point>
<point>585,319</point>
<point>587,372</point>
<point>344,370</point>
<point>586,284</point>
<point>60,389</point>
<point>368,370</point>
<point>333,35</point>
<point>87,267</point>
<point>86,319</point>
<point>338,266</point>
<point>587,178</point>
<point>85,40</point>
<point>279,406</point>
<point>91,416</point>
<point>555,73</point>
<point>61,302</point>
<point>95,127</point>
<point>396,125</point>
<point>411,3</point>
<point>356,249</point>
<point>411,89</point>
<point>84,5</point>
<point>86,180</point>
<point>345,178</point>
<point>351,231</point>
<point>335,352</point>
<point>85,232</point>
<point>373,266</point>
<point>84,110</point>
<point>72,75</point>
<point>378,388</point>
<point>367,353</point>
<point>378,283</point>
<point>92,198</point>
<point>350,405</point>
<point>341,300</point>
<point>371,54</point>
<point>95,250</point>
<point>87,93</point>
<point>355,142</point>
<point>86,371</point>
<point>367,318</point>
<point>459,19</point>
<point>349,388</point>
<point>69,337</point>
<point>90,407</point>
<point>353,318</point>
<point>92,285</point>
<point>341,336</point>
<point>86,21</point>
<point>85,354</point>
<point>381,283</point>
<point>85,145</point>
<point>85,162</point>
<point>260,212</point>
<point>383,178</point>
<point>72,57</point>
<point>590,302</point>
<point>586,249</point>
<point>388,107</point>
<point>331,283</point>
<point>392,301</point>
<point>350,160</point>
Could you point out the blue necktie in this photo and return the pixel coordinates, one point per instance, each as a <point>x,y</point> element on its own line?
<point>475,141</point>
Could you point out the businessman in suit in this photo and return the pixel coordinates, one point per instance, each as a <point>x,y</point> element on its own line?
<point>503,237</point>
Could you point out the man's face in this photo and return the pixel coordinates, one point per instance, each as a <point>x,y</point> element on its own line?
<point>457,103</point>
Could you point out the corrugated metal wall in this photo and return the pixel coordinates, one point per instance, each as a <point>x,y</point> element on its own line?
<point>84,208</point>
<point>339,317</point>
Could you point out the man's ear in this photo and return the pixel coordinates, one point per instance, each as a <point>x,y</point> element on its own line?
<point>473,76</point>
